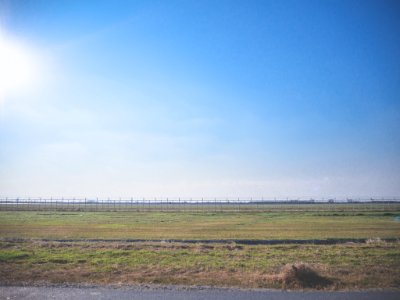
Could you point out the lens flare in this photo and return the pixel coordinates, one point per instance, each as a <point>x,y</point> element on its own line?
<point>17,67</point>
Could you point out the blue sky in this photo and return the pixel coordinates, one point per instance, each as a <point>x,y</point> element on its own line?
<point>204,99</point>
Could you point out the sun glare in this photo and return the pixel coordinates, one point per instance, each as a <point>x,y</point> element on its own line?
<point>17,67</point>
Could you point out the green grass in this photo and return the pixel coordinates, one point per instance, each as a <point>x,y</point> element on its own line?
<point>186,225</point>
<point>370,265</point>
<point>347,265</point>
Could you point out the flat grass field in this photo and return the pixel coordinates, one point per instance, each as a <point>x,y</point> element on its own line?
<point>187,225</point>
<point>37,258</point>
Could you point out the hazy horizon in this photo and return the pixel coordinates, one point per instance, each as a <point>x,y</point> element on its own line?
<point>200,99</point>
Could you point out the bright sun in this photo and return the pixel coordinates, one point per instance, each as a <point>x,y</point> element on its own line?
<point>17,67</point>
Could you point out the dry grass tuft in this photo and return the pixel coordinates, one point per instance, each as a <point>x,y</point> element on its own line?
<point>377,240</point>
<point>302,275</point>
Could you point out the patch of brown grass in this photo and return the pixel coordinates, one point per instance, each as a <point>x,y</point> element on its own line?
<point>300,275</point>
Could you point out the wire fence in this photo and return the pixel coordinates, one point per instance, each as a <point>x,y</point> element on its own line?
<point>196,205</point>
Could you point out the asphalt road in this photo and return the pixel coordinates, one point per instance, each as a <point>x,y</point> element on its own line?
<point>177,293</point>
